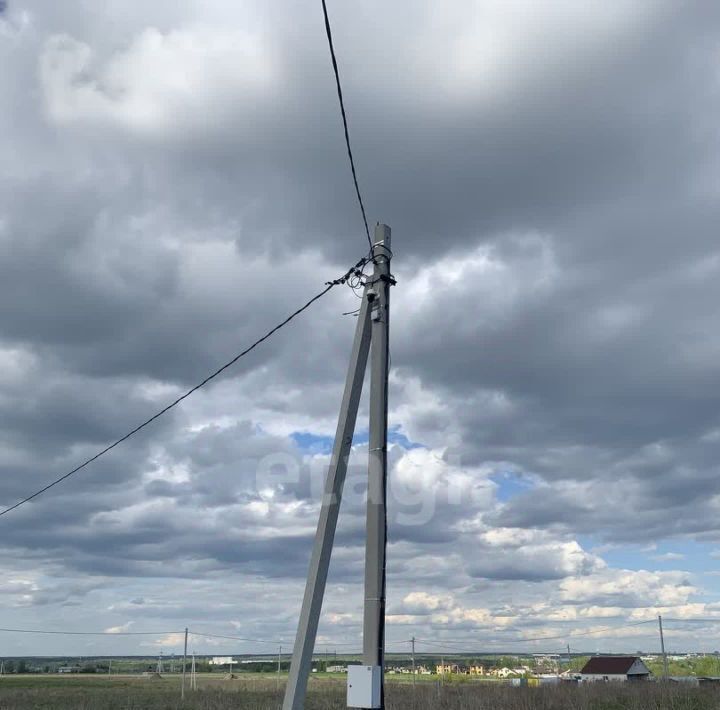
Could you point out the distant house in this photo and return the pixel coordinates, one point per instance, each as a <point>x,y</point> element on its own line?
<point>447,668</point>
<point>614,668</point>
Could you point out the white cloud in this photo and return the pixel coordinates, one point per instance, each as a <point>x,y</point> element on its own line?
<point>175,640</point>
<point>161,84</point>
<point>668,557</point>
<point>629,588</point>
<point>424,603</point>
<point>123,628</point>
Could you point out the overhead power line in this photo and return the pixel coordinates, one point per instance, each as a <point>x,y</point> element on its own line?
<point>693,620</point>
<point>193,632</point>
<point>451,644</point>
<point>204,634</point>
<point>91,633</point>
<point>328,31</point>
<point>592,632</point>
<point>277,642</point>
<point>328,286</point>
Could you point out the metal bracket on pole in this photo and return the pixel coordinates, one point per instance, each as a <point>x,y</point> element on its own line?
<point>372,327</point>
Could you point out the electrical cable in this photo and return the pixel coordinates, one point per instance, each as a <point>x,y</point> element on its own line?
<point>696,620</point>
<point>280,642</point>
<point>328,31</point>
<point>543,638</point>
<point>328,286</point>
<point>193,632</point>
<point>233,638</point>
<point>92,633</point>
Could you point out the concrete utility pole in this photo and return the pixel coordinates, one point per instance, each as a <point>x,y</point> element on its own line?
<point>277,684</point>
<point>662,648</point>
<point>376,525</point>
<point>182,692</point>
<point>372,326</point>
<point>412,640</point>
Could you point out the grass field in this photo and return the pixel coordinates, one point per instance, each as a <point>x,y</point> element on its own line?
<point>258,692</point>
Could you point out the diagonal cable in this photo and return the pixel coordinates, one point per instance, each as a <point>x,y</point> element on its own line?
<point>329,285</point>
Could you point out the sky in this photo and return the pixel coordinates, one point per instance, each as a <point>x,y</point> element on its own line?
<point>173,182</point>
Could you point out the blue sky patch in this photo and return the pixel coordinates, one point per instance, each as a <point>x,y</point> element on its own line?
<point>510,484</point>
<point>312,443</point>
<point>395,436</point>
<point>662,556</point>
<point>320,444</point>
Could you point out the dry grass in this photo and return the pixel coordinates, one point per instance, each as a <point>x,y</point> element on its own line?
<point>612,696</point>
<point>50,693</point>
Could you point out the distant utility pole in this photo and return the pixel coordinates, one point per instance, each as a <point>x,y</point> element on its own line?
<point>662,648</point>
<point>193,674</point>
<point>372,329</point>
<point>277,683</point>
<point>412,641</point>
<point>182,692</point>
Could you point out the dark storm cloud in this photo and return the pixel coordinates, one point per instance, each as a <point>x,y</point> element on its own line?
<point>175,182</point>
<point>561,144</point>
<point>560,141</point>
